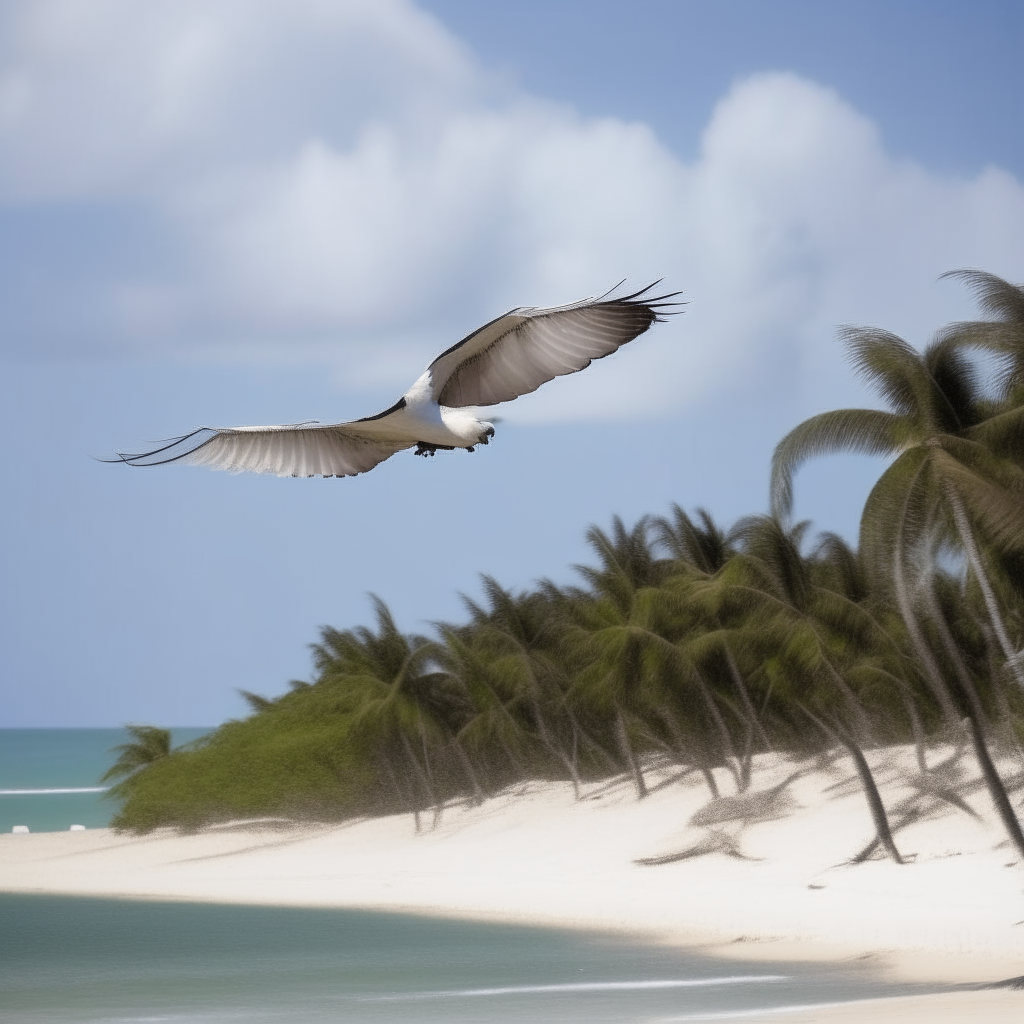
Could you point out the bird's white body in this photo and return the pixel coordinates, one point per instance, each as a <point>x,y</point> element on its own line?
<point>421,417</point>
<point>508,357</point>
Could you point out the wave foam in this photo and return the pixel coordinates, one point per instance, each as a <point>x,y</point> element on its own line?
<point>585,986</point>
<point>42,792</point>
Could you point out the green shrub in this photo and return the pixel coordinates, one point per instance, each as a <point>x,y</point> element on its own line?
<point>289,760</point>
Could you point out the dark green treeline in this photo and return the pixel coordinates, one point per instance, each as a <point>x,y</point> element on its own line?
<point>687,642</point>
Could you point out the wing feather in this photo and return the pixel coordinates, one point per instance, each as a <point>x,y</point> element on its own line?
<point>300,449</point>
<point>525,348</point>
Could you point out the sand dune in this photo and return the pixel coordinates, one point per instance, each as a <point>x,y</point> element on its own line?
<point>765,875</point>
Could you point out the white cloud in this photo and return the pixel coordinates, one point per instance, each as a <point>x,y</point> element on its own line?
<point>115,97</point>
<point>341,182</point>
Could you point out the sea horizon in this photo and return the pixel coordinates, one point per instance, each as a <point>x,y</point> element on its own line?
<point>50,777</point>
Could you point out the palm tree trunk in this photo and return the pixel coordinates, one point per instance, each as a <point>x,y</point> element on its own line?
<point>975,720</point>
<point>746,762</point>
<point>863,722</point>
<point>723,732</point>
<point>400,791</point>
<point>574,754</point>
<point>963,526</point>
<point>429,774</point>
<point>423,777</point>
<point>995,785</point>
<point>628,755</point>
<point>878,816</point>
<point>918,731</point>
<point>592,744</point>
<point>709,778</point>
<point>748,704</point>
<point>874,798</point>
<point>519,768</point>
<point>933,675</point>
<point>1006,715</point>
<point>685,757</point>
<point>556,748</point>
<point>467,766</point>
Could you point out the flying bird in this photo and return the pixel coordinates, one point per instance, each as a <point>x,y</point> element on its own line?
<point>508,357</point>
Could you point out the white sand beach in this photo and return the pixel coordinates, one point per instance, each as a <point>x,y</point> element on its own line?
<point>776,880</point>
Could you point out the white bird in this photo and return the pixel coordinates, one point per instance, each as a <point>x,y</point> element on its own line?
<point>508,357</point>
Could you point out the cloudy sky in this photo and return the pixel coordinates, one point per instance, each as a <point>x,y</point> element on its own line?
<point>243,211</point>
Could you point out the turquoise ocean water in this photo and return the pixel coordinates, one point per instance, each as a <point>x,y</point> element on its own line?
<point>89,960</point>
<point>36,764</point>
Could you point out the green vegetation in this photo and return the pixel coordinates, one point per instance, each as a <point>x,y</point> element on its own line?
<point>148,744</point>
<point>689,643</point>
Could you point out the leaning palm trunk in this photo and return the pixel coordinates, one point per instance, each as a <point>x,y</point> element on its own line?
<point>879,818</point>
<point>932,673</point>
<point>424,777</point>
<point>556,749</point>
<point>579,733</point>
<point>963,526</point>
<point>917,730</point>
<point>729,754</point>
<point>874,798</point>
<point>995,784</point>
<point>1005,711</point>
<point>629,755</point>
<point>754,723</point>
<point>748,705</point>
<point>401,792</point>
<point>975,725</point>
<point>863,722</point>
<point>467,767</point>
<point>709,778</point>
<point>428,775</point>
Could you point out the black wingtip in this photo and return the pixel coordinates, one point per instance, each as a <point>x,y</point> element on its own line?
<point>660,305</point>
<point>614,287</point>
<point>149,458</point>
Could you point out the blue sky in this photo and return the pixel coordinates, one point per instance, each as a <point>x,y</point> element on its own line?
<point>219,212</point>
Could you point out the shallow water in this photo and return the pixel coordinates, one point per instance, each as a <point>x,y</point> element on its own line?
<point>60,759</point>
<point>78,959</point>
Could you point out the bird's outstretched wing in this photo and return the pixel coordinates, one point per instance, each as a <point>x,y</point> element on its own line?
<point>300,449</point>
<point>516,353</point>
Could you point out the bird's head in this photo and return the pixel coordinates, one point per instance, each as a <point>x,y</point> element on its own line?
<point>487,433</point>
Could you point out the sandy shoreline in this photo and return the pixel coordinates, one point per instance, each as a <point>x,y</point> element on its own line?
<point>780,886</point>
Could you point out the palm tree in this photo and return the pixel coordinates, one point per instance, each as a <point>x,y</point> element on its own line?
<point>954,477</point>
<point>620,635</point>
<point>939,437</point>
<point>523,634</point>
<point>619,652</point>
<point>701,549</point>
<point>491,728</point>
<point>817,634</point>
<point>1003,336</point>
<point>703,546</point>
<point>398,707</point>
<point>149,744</point>
<point>639,675</point>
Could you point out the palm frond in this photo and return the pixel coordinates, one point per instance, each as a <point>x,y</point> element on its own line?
<point>859,431</point>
